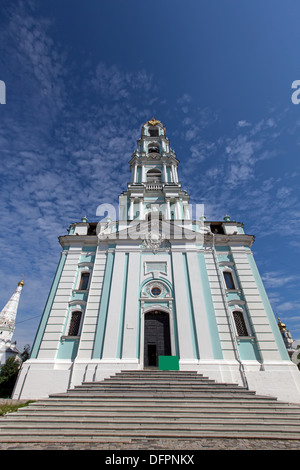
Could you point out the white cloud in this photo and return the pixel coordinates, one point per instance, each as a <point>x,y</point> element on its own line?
<point>273,279</point>
<point>243,123</point>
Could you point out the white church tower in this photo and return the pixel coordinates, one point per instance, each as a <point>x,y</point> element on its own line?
<point>157,284</point>
<point>7,325</point>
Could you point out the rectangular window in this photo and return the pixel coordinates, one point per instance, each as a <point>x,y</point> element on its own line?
<point>228,280</point>
<point>75,324</point>
<point>240,324</point>
<point>84,281</point>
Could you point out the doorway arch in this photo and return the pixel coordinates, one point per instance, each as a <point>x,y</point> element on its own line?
<point>157,337</point>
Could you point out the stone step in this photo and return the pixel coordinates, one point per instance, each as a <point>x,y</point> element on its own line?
<point>106,436</point>
<point>167,394</point>
<point>144,419</point>
<point>158,377</point>
<point>160,383</point>
<point>156,371</point>
<point>158,388</point>
<point>152,407</point>
<point>152,404</point>
<point>119,425</point>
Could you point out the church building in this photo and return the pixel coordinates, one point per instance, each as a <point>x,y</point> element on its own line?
<point>157,285</point>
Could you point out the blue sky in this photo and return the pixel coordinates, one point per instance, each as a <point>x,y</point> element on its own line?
<point>83,76</point>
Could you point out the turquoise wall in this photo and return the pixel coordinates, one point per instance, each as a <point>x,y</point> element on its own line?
<point>68,348</point>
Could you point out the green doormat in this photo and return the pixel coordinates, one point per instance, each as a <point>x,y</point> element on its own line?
<point>168,363</point>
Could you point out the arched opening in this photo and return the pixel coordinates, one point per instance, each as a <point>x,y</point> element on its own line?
<point>153,148</point>
<point>157,339</point>
<point>153,176</point>
<point>153,132</point>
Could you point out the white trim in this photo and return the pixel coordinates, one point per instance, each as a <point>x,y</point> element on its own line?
<point>238,307</point>
<point>75,307</point>
<point>85,268</point>
<point>229,269</point>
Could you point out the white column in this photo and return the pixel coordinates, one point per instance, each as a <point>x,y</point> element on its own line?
<point>173,173</point>
<point>182,308</point>
<point>186,211</point>
<point>135,173</point>
<point>178,210</point>
<point>131,308</point>
<point>165,172</point>
<point>141,209</point>
<point>143,173</point>
<point>168,209</point>
<point>114,308</point>
<point>131,208</point>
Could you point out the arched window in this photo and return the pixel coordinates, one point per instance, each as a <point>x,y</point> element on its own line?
<point>153,176</point>
<point>240,323</point>
<point>84,281</point>
<point>153,148</point>
<point>153,131</point>
<point>75,323</point>
<point>228,280</point>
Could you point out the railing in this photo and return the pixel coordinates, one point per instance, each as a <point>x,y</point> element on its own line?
<point>154,186</point>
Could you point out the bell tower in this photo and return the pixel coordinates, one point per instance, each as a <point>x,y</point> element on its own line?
<point>7,324</point>
<point>156,283</point>
<point>154,179</point>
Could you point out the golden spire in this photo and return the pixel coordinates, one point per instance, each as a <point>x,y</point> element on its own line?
<point>281,325</point>
<point>21,283</point>
<point>153,122</point>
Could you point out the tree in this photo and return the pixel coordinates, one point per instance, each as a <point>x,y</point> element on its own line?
<point>8,375</point>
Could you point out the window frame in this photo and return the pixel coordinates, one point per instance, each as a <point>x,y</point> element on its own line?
<point>71,313</point>
<point>230,272</point>
<point>83,268</point>
<point>228,266</point>
<point>240,306</point>
<point>241,313</point>
<point>81,280</point>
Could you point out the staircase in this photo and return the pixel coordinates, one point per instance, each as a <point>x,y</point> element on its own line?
<point>152,404</point>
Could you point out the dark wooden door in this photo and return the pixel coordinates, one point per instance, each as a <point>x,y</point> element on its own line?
<point>157,341</point>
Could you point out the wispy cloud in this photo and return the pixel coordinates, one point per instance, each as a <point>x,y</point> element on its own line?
<point>67,134</point>
<point>276,279</point>
<point>60,156</point>
<point>243,123</point>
